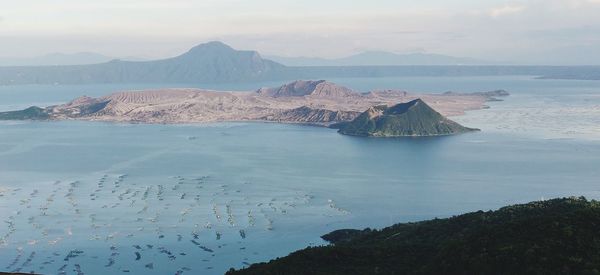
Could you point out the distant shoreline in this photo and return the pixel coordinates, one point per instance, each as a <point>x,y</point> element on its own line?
<point>313,103</point>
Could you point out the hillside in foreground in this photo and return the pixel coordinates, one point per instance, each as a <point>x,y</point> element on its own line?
<point>559,236</point>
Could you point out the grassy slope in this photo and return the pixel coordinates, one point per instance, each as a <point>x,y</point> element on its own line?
<point>29,113</point>
<point>560,236</point>
<point>405,119</point>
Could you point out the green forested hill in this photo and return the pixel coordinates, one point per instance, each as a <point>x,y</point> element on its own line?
<point>560,236</point>
<point>414,118</point>
<point>33,113</point>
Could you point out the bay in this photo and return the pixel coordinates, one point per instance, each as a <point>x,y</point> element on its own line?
<point>201,198</point>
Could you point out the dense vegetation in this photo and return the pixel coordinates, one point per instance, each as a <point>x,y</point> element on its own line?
<point>560,236</point>
<point>29,113</point>
<point>414,118</point>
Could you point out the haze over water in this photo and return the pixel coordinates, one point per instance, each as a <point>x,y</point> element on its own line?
<point>103,197</point>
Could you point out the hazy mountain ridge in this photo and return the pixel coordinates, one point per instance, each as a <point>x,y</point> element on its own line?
<point>210,62</point>
<point>379,58</point>
<point>61,59</point>
<point>215,62</point>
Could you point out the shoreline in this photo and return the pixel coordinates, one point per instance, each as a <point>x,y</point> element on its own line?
<point>307,103</point>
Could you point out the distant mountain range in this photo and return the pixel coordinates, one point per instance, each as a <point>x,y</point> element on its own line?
<point>53,59</point>
<point>379,58</point>
<point>215,62</point>
<point>206,63</point>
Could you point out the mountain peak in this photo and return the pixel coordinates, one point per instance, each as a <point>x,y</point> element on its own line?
<point>402,108</point>
<point>316,88</point>
<point>413,118</point>
<point>216,60</point>
<point>212,46</point>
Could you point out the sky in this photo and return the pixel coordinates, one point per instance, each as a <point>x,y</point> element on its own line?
<point>520,31</point>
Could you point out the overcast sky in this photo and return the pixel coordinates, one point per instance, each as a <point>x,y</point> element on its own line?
<point>525,31</point>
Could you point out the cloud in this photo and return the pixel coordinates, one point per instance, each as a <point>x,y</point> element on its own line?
<point>506,10</point>
<point>481,29</point>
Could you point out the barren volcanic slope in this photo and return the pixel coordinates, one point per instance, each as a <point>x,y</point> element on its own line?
<point>310,102</point>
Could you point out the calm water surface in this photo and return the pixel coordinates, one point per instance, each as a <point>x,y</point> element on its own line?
<point>157,199</point>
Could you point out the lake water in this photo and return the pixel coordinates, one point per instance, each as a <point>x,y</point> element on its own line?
<point>94,198</point>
